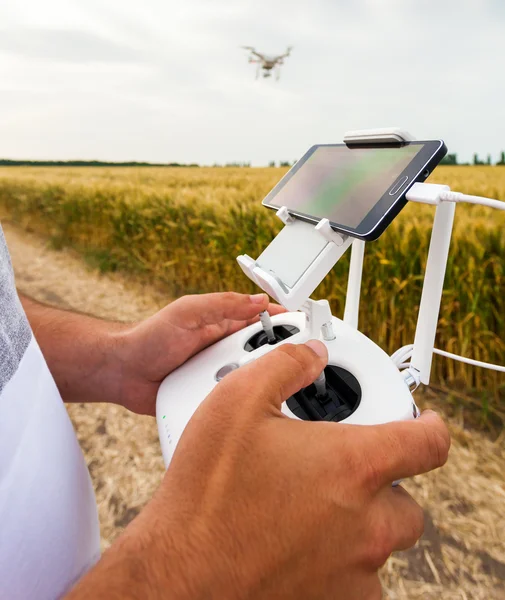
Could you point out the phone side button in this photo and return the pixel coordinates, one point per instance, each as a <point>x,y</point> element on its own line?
<point>398,186</point>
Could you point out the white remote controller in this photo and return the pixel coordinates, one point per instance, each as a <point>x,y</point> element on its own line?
<point>361,384</point>
<point>364,386</point>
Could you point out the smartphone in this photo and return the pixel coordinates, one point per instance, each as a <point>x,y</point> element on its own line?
<point>359,189</point>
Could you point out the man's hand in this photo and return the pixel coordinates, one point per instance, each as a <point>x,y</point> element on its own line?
<point>152,349</point>
<point>256,505</point>
<point>101,361</point>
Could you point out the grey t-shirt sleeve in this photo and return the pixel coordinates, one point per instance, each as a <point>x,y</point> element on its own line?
<point>15,332</point>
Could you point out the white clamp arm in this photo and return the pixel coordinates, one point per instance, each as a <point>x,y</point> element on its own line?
<point>296,261</point>
<point>284,215</point>
<point>377,136</point>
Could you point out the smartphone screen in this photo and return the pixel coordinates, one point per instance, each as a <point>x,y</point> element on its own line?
<point>354,187</point>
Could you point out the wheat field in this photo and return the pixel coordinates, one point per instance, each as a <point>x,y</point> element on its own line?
<point>182,229</point>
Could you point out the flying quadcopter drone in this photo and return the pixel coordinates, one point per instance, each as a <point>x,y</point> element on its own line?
<point>267,63</point>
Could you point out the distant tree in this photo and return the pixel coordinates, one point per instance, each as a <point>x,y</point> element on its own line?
<point>476,160</point>
<point>502,159</point>
<point>271,163</point>
<point>488,160</point>
<point>284,163</point>
<point>238,164</point>
<point>450,159</point>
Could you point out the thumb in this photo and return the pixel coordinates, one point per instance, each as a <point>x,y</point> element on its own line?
<point>276,376</point>
<point>403,449</point>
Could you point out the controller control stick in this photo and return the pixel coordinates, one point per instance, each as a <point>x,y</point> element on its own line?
<point>320,384</point>
<point>268,327</point>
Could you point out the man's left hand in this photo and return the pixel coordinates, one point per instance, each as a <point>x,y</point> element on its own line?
<point>152,349</point>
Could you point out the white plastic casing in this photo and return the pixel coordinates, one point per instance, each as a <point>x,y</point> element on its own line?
<point>385,396</point>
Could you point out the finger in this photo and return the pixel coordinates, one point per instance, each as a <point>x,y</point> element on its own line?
<point>275,377</point>
<point>216,331</point>
<point>405,448</point>
<point>209,309</point>
<point>275,309</point>
<point>272,309</point>
<point>401,520</point>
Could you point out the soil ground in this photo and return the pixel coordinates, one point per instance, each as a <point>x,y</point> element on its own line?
<point>462,553</point>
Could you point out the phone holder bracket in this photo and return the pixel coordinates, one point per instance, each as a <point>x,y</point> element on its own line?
<point>296,261</point>
<point>302,254</point>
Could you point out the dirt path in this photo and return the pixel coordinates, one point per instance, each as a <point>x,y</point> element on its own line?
<point>462,554</point>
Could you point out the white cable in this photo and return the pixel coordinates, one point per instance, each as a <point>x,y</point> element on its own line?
<point>401,351</point>
<point>434,193</point>
<point>470,361</point>
<point>448,196</point>
<point>401,356</point>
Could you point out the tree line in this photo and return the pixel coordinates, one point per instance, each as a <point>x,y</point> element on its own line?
<point>449,159</point>
<point>452,159</point>
<point>4,162</point>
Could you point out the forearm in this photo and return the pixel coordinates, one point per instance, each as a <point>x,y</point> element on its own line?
<point>82,352</point>
<point>135,568</point>
<point>158,556</point>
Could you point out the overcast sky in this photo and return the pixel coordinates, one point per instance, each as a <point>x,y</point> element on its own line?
<point>165,80</point>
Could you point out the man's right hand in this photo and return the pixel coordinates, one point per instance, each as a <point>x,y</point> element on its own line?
<point>257,505</point>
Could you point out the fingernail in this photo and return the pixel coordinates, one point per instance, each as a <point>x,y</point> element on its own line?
<point>427,412</point>
<point>258,298</point>
<point>318,347</point>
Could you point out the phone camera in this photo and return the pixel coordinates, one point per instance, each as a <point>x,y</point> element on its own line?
<point>426,173</point>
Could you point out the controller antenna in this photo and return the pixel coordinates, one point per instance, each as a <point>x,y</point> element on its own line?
<point>268,327</point>
<point>320,384</point>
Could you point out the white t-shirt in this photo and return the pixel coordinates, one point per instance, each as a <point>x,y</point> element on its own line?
<point>49,533</point>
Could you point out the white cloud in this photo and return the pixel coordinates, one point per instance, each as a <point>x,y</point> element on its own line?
<point>165,80</point>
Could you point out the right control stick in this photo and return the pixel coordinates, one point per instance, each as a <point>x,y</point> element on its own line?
<point>320,384</point>
<point>333,396</point>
